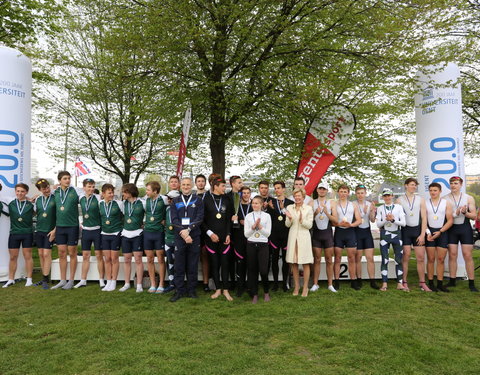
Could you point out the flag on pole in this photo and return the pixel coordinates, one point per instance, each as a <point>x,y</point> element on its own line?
<point>187,121</point>
<point>81,168</point>
<point>323,142</point>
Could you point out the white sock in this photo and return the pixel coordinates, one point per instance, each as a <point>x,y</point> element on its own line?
<point>60,284</point>
<point>125,287</point>
<point>8,283</point>
<point>139,288</point>
<point>113,285</point>
<point>29,282</point>
<point>107,285</point>
<point>68,285</point>
<point>101,282</point>
<point>81,283</point>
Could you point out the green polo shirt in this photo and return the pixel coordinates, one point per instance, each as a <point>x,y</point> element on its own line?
<point>66,207</point>
<point>154,215</point>
<point>46,213</point>
<point>90,211</point>
<point>21,217</point>
<point>111,217</point>
<point>133,215</point>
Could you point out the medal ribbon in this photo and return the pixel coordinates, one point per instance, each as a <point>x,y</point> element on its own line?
<point>64,195</point>
<point>243,212</point>
<point>153,205</point>
<point>456,204</point>
<point>131,207</point>
<point>346,209</point>
<point>108,208</point>
<point>438,205</point>
<point>410,206</point>
<point>88,203</point>
<point>20,210</point>
<point>45,204</point>
<point>188,202</point>
<point>219,204</point>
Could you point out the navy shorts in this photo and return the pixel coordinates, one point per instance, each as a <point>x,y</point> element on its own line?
<point>42,241</point>
<point>111,241</point>
<point>322,238</point>
<point>132,244</point>
<point>23,240</point>
<point>364,238</point>
<point>345,237</point>
<point>67,236</point>
<point>91,237</point>
<point>462,233</point>
<point>153,240</point>
<point>410,235</point>
<point>441,241</point>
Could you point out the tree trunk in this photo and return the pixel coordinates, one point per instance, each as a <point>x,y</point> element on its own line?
<point>217,151</point>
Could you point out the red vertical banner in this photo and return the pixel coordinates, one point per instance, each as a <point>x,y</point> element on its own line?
<point>187,121</point>
<point>323,143</point>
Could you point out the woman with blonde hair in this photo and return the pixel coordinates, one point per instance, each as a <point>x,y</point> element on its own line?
<point>299,251</point>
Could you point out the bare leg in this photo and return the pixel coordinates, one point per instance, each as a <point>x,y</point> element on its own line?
<point>420,255</point>
<point>27,255</point>
<point>317,254</point>
<point>370,263</point>
<point>351,253</point>
<point>329,264</point>
<point>452,260</point>
<point>151,267</point>
<point>358,263</point>
<point>86,263</point>
<point>407,250</point>
<point>72,251</point>
<point>100,264</point>
<point>306,277</point>
<point>62,255</point>
<point>12,264</point>
<point>430,262</point>
<point>296,279</point>
<point>162,268</point>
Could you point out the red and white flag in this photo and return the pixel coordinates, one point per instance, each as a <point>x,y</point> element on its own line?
<point>81,168</point>
<point>323,142</point>
<point>187,121</point>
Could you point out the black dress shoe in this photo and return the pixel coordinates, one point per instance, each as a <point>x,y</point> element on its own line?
<point>206,289</point>
<point>176,297</point>
<point>285,287</point>
<point>192,294</point>
<point>240,291</point>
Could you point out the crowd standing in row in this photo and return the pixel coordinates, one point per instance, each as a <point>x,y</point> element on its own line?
<point>238,238</point>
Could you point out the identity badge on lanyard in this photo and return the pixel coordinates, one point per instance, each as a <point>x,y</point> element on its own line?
<point>186,219</point>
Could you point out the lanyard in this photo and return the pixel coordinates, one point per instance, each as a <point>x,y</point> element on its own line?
<point>243,212</point>
<point>346,209</point>
<point>459,201</point>
<point>188,202</point>
<point>131,207</point>
<point>321,212</point>
<point>108,208</point>
<point>88,202</point>
<point>410,206</point>
<point>63,195</point>
<point>19,206</point>
<point>45,203</point>
<point>219,204</point>
<point>153,205</point>
<point>438,206</point>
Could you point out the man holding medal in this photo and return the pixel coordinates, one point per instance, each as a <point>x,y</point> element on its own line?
<point>186,213</point>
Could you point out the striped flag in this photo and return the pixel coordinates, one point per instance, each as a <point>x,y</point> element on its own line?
<point>81,168</point>
<point>187,121</point>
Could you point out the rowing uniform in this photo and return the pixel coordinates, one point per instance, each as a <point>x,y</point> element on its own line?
<point>91,226</point>
<point>132,233</point>
<point>46,217</point>
<point>413,228</point>
<point>154,231</point>
<point>322,236</point>
<point>66,204</point>
<point>345,237</point>
<point>436,216</point>
<point>111,218</point>
<point>363,231</point>
<point>21,224</point>
<point>461,230</point>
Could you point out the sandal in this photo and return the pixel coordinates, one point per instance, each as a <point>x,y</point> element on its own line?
<point>423,287</point>
<point>405,286</point>
<point>400,286</point>
<point>383,289</point>
<point>152,289</point>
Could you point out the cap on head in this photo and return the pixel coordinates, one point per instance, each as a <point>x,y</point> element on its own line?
<point>322,185</point>
<point>387,191</point>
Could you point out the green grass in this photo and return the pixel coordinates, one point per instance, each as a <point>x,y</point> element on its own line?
<point>86,331</point>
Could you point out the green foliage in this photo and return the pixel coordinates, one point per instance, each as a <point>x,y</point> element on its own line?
<point>22,21</point>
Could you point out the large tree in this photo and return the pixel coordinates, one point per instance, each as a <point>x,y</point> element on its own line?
<point>120,115</point>
<point>259,70</point>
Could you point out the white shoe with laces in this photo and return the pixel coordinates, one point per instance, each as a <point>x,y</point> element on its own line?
<point>332,289</point>
<point>314,288</point>
<point>124,288</point>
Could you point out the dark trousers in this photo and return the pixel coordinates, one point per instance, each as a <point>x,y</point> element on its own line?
<point>240,250</point>
<point>169,250</point>
<point>278,247</point>
<point>257,262</point>
<point>186,262</point>
<point>220,259</point>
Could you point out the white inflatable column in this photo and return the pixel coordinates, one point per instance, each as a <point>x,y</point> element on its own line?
<point>438,114</point>
<point>15,124</point>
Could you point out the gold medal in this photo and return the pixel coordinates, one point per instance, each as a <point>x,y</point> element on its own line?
<point>129,221</point>
<point>62,208</point>
<point>322,217</point>
<point>218,216</point>
<point>152,218</point>
<point>86,216</point>
<point>280,218</point>
<point>107,222</point>
<point>411,213</point>
<point>435,218</point>
<point>170,227</point>
<point>20,219</point>
<point>345,219</point>
<point>44,214</point>
<point>257,235</point>
<point>364,221</point>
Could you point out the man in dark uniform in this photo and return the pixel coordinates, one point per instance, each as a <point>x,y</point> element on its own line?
<point>235,197</point>
<point>187,216</point>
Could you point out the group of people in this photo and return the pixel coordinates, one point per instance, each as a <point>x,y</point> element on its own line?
<point>238,237</point>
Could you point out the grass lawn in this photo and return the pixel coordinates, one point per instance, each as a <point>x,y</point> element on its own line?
<point>86,331</point>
